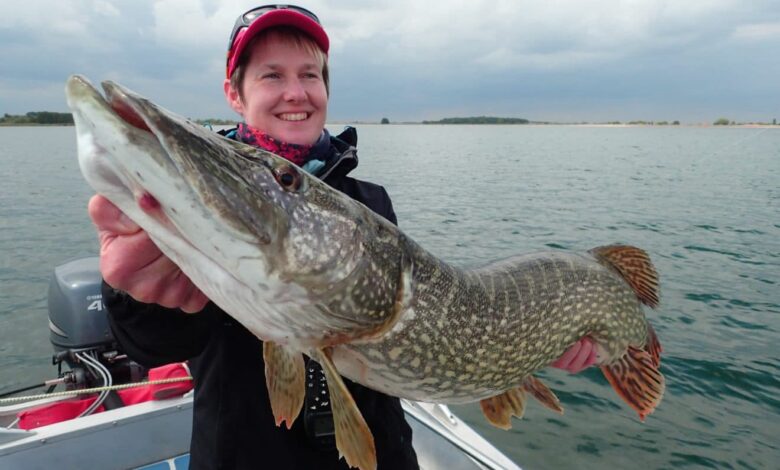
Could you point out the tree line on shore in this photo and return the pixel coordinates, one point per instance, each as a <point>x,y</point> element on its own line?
<point>502,120</point>
<point>479,120</point>
<point>53,118</point>
<point>49,117</point>
<point>37,117</point>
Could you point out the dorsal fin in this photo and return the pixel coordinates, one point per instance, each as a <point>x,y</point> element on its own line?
<point>634,265</point>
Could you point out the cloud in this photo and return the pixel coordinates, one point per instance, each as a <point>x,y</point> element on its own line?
<point>506,58</point>
<point>189,24</point>
<point>418,59</point>
<point>758,32</point>
<point>578,57</point>
<point>412,31</point>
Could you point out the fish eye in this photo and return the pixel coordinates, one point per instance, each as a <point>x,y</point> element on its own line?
<point>288,177</point>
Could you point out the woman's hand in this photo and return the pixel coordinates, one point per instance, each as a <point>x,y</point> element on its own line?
<point>579,356</point>
<point>131,262</point>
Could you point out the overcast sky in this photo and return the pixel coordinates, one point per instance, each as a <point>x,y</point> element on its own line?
<point>565,60</point>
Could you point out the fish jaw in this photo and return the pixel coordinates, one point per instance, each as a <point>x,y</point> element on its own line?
<point>101,135</point>
<point>128,165</point>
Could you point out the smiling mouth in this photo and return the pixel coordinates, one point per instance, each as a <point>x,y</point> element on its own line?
<point>293,116</point>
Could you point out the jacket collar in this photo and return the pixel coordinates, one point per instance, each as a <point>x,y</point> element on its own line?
<point>341,160</point>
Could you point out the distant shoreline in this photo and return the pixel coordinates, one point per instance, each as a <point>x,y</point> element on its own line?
<point>756,126</point>
<point>418,123</point>
<point>32,124</point>
<point>561,124</point>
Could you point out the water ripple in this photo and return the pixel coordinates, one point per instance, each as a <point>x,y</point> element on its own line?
<point>715,379</point>
<point>562,188</point>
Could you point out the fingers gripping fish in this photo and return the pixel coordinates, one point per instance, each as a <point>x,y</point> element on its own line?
<point>310,271</point>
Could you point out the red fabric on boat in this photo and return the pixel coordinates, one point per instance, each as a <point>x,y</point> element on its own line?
<point>173,389</point>
<point>69,409</point>
<point>54,413</point>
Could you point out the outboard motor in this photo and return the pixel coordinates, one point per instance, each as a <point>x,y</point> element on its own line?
<point>80,333</point>
<point>77,319</point>
<point>97,373</point>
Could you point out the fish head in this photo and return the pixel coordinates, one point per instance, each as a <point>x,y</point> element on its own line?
<point>272,245</point>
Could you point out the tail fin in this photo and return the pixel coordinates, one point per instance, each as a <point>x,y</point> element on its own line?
<point>635,377</point>
<point>634,265</point>
<point>637,380</point>
<point>653,346</point>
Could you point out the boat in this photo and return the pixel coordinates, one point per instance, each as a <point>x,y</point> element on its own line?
<point>155,434</point>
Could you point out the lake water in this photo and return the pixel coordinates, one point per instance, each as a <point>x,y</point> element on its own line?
<point>704,202</point>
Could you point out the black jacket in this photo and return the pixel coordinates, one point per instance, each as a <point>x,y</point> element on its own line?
<point>233,426</point>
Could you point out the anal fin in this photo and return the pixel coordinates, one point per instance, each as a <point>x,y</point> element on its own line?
<point>637,380</point>
<point>285,377</point>
<point>353,437</point>
<point>499,409</point>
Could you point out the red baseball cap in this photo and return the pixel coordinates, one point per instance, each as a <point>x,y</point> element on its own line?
<point>257,19</point>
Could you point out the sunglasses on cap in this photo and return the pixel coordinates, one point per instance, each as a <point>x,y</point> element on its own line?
<point>247,18</point>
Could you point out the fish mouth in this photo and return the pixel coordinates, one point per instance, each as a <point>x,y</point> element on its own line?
<point>115,145</point>
<point>106,127</point>
<point>131,149</point>
<point>124,158</point>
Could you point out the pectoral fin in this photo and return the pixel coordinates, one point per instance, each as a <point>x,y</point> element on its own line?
<point>353,437</point>
<point>285,378</point>
<point>636,378</point>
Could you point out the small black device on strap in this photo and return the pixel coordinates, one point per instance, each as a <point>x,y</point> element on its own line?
<point>317,415</point>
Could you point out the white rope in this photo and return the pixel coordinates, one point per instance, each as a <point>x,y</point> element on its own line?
<point>86,391</point>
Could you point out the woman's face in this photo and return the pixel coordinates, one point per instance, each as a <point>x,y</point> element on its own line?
<point>283,92</point>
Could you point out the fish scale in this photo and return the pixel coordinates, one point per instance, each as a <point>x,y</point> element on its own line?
<point>499,310</point>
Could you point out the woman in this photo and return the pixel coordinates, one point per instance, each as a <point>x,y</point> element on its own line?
<point>277,80</point>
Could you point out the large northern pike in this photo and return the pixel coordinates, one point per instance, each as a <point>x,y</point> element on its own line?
<point>309,270</point>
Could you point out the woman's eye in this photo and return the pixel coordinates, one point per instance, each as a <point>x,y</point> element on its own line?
<point>272,75</point>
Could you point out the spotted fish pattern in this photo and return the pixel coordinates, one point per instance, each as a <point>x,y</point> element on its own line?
<point>470,334</point>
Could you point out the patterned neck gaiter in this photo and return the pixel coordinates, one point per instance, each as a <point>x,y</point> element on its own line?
<point>296,153</point>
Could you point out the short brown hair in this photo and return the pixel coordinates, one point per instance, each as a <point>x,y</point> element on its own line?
<point>286,35</point>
